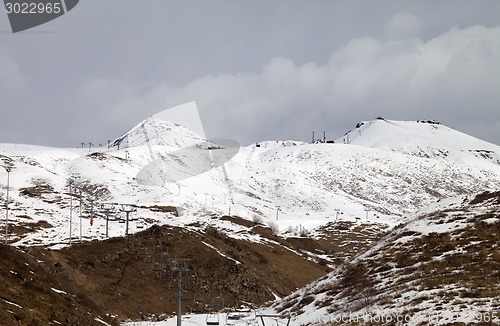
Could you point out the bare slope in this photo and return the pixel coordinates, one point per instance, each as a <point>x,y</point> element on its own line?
<point>442,267</point>
<point>132,277</point>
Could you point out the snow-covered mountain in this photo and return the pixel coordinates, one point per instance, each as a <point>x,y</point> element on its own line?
<point>423,138</point>
<point>384,170</point>
<point>154,131</point>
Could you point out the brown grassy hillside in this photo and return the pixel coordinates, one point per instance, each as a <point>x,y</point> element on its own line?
<point>445,265</point>
<point>131,277</point>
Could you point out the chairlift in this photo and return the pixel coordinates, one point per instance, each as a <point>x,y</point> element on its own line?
<point>191,280</point>
<point>149,260</point>
<point>173,265</point>
<point>232,315</point>
<point>218,302</point>
<point>167,261</point>
<point>204,288</point>
<point>148,243</point>
<point>172,281</point>
<point>186,283</point>
<point>253,322</point>
<point>238,314</point>
<point>212,319</point>
<point>165,277</point>
<point>278,319</point>
<point>157,268</point>
<point>158,248</point>
<point>195,307</point>
<point>113,218</point>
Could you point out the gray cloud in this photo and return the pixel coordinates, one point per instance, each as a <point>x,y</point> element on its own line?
<point>452,78</point>
<point>403,25</point>
<point>11,78</point>
<point>257,69</point>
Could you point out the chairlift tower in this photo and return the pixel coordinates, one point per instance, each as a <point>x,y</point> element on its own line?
<point>74,186</point>
<point>337,212</point>
<point>71,188</point>
<point>127,209</point>
<point>81,204</point>
<point>8,169</point>
<point>146,136</point>
<point>179,265</point>
<point>92,207</point>
<point>108,208</point>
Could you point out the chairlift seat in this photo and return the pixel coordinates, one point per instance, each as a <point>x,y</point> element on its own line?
<point>212,320</point>
<point>233,316</point>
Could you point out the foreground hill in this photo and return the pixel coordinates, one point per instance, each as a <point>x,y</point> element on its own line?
<point>133,277</point>
<point>439,268</point>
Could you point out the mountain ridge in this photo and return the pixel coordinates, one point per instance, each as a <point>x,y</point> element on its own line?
<point>306,184</point>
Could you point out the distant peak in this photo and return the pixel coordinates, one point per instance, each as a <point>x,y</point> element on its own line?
<point>421,138</point>
<point>154,131</point>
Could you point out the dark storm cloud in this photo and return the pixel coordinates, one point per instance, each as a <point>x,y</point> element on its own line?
<point>257,69</point>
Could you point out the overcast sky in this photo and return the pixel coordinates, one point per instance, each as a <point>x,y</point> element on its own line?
<point>257,69</point>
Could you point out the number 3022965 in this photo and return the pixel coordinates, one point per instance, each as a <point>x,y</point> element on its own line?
<point>33,8</point>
